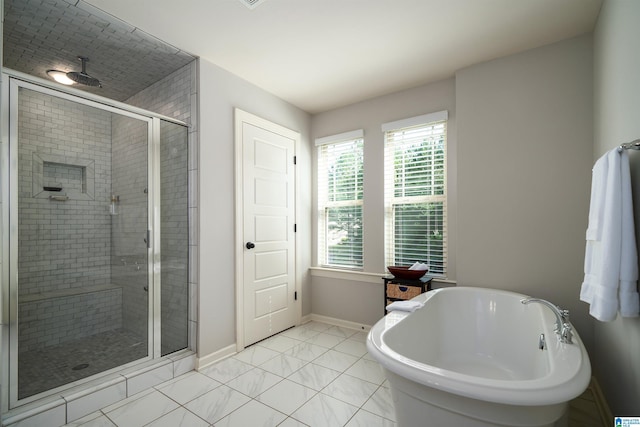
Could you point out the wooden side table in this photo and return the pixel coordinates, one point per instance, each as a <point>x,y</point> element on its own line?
<point>396,289</point>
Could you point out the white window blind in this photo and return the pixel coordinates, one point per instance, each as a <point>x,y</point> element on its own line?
<point>340,202</point>
<point>416,195</point>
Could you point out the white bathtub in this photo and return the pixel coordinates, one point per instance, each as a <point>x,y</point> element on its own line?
<point>470,357</point>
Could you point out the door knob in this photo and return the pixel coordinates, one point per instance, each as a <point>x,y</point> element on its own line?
<point>250,245</point>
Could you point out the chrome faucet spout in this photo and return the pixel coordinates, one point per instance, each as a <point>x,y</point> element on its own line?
<point>563,327</point>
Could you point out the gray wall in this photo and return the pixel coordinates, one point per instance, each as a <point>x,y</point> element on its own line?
<point>356,297</point>
<point>520,139</point>
<point>617,120</point>
<point>220,92</point>
<point>524,162</point>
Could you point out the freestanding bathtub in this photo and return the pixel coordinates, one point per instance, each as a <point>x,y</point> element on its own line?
<point>471,357</point>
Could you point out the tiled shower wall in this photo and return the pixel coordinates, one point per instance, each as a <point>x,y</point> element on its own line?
<point>129,224</point>
<point>176,96</point>
<point>64,247</point>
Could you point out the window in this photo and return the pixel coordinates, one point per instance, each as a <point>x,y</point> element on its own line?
<point>415,192</point>
<point>340,163</point>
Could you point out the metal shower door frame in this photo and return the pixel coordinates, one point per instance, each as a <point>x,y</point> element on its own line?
<point>9,181</point>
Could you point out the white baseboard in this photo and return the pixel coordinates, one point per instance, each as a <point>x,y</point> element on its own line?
<point>336,322</point>
<point>210,359</point>
<point>601,402</point>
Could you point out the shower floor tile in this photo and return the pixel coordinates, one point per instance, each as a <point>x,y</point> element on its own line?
<point>50,367</point>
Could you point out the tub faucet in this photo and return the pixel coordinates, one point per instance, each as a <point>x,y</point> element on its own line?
<point>563,327</point>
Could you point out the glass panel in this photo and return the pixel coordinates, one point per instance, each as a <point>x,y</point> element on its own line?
<point>344,236</point>
<point>419,235</point>
<point>340,192</point>
<point>344,166</point>
<point>174,232</point>
<point>82,260</point>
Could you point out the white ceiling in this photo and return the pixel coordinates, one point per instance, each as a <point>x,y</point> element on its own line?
<point>322,54</point>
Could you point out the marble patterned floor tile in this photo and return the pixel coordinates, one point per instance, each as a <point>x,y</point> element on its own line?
<point>317,326</point>
<point>336,360</point>
<point>324,411</point>
<point>254,382</point>
<point>367,370</point>
<point>306,351</point>
<point>359,336</point>
<point>368,356</point>
<point>226,370</point>
<point>217,403</point>
<point>256,355</point>
<point>283,365</point>
<point>381,403</point>
<point>287,396</point>
<point>350,389</point>
<point>290,422</point>
<point>143,410</point>
<point>95,419</point>
<point>188,387</point>
<point>179,417</point>
<point>363,418</point>
<point>279,343</point>
<point>326,340</point>
<point>126,401</point>
<point>328,391</point>
<point>354,348</point>
<point>340,331</point>
<point>314,376</point>
<point>254,414</point>
<point>301,333</point>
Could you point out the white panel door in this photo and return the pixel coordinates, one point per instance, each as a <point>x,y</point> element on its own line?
<point>268,228</point>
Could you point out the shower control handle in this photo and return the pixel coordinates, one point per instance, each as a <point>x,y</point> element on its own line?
<point>250,245</point>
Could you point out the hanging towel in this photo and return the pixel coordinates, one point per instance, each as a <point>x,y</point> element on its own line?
<point>611,259</point>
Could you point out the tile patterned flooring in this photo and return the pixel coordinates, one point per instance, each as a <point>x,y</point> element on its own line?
<point>315,374</point>
<point>311,375</point>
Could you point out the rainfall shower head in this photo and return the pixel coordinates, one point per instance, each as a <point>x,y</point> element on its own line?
<point>82,77</point>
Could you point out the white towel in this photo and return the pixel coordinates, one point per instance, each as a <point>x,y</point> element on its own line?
<point>611,260</point>
<point>419,266</point>
<point>405,305</point>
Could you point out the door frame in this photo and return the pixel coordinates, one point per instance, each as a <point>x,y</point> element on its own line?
<point>241,117</point>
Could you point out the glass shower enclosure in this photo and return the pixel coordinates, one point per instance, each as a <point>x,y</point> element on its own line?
<point>97,237</point>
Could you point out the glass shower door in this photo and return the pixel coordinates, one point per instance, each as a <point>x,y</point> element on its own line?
<point>174,231</point>
<point>79,248</point>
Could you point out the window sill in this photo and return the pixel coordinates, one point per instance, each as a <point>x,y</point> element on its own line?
<point>357,276</point>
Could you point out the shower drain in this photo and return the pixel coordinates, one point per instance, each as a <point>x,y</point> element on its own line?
<point>80,366</point>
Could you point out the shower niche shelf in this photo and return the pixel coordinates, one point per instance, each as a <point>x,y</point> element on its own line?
<point>58,176</point>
